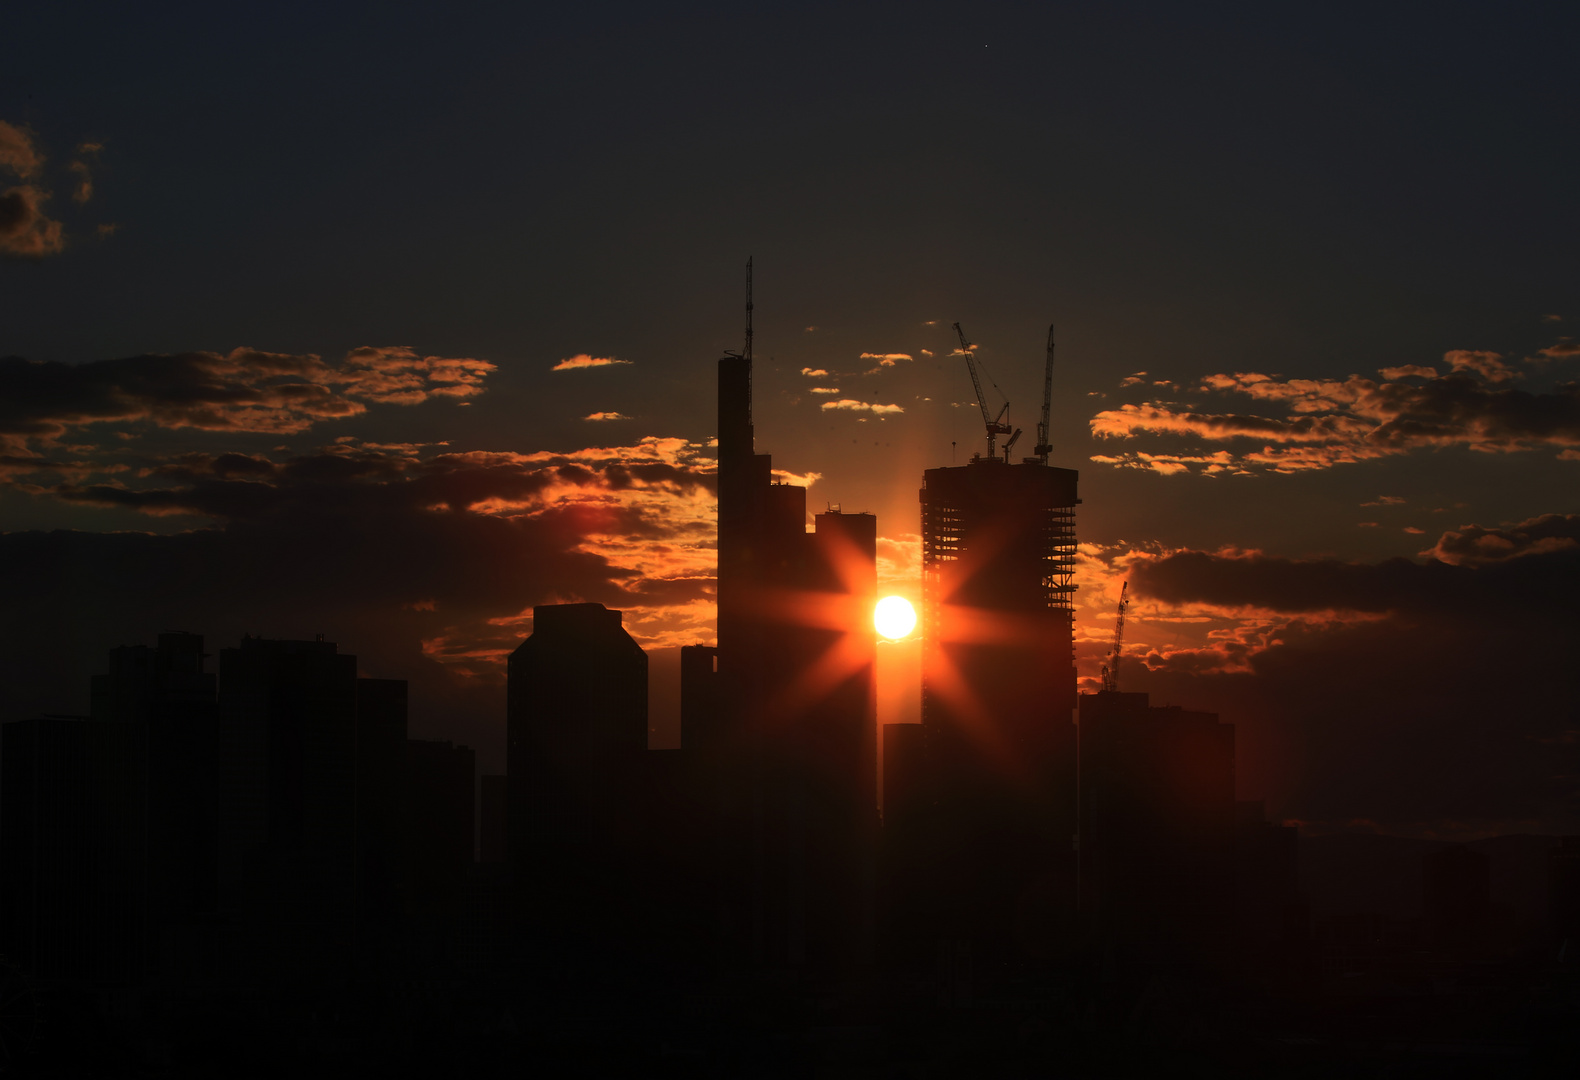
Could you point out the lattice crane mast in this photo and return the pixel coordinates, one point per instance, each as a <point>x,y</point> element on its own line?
<point>995,425</point>
<point>1043,449</point>
<point>1111,669</point>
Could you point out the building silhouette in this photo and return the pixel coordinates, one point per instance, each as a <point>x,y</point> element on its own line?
<point>73,851</point>
<point>578,787</point>
<point>311,763</point>
<point>1157,833</point>
<point>998,688</point>
<point>795,749</point>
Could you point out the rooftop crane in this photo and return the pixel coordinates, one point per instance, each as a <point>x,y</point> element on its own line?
<point>995,425</point>
<point>1043,449</point>
<point>1111,669</point>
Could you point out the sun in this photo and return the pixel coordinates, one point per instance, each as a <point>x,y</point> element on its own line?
<point>894,617</point>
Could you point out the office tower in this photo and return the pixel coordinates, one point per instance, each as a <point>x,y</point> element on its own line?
<point>577,747</point>
<point>1271,920</point>
<point>311,767</point>
<point>699,696</point>
<point>73,857</point>
<point>165,694</point>
<point>998,687</point>
<point>1157,832</point>
<point>796,734</point>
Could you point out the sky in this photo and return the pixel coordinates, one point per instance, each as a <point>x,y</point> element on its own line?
<point>388,322</point>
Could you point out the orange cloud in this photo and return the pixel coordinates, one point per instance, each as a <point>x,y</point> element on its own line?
<point>1331,422</point>
<point>852,405</point>
<point>597,416</point>
<point>245,390</point>
<point>583,360</point>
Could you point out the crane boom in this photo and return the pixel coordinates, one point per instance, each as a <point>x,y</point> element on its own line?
<point>1111,669</point>
<point>995,426</point>
<point>1043,449</point>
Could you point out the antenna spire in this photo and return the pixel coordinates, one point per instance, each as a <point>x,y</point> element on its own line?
<point>748,351</point>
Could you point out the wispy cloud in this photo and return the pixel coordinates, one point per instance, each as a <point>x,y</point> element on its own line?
<point>814,373</point>
<point>825,390</point>
<point>25,230</point>
<point>1329,422</point>
<point>852,405</point>
<point>886,359</point>
<point>584,360</point>
<point>245,390</point>
<point>597,416</point>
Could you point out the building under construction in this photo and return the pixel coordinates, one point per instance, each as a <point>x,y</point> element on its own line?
<point>998,690</point>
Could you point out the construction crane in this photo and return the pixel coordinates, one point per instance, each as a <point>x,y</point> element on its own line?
<point>1042,449</point>
<point>1111,669</point>
<point>995,425</point>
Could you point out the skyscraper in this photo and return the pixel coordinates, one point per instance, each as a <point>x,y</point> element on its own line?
<point>796,724</point>
<point>311,765</point>
<point>577,747</point>
<point>1157,831</point>
<point>170,702</point>
<point>998,687</point>
<point>73,849</point>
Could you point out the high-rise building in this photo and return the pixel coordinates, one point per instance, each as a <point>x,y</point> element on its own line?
<point>998,688</point>
<point>577,747</point>
<point>73,856</point>
<point>165,694</point>
<point>311,771</point>
<point>796,735</point>
<point>1157,832</point>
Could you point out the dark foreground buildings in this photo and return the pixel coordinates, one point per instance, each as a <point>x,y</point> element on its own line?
<point>249,827</point>
<point>1157,833</point>
<point>263,859</point>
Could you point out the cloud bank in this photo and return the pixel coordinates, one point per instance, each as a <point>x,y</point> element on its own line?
<point>1332,422</point>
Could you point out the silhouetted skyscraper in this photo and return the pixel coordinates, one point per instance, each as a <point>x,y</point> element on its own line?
<point>577,745</point>
<point>167,696</point>
<point>797,740</point>
<point>1157,831</point>
<point>73,876</point>
<point>699,696</point>
<point>998,687</point>
<point>312,762</point>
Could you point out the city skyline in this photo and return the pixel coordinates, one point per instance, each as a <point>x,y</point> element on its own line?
<point>1267,302</point>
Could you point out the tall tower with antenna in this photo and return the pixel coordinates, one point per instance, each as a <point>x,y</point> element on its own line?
<point>795,743</point>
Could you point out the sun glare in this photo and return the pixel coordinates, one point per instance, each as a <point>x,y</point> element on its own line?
<point>894,617</point>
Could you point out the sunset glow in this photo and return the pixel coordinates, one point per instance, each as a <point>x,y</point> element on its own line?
<point>894,617</point>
